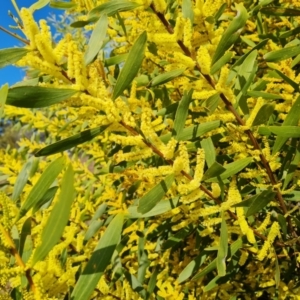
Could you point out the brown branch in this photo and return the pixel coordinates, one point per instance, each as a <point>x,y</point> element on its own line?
<point>15,35</point>
<point>230,107</point>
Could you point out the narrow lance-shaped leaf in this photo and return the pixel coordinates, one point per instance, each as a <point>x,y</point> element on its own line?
<point>36,96</point>
<point>38,5</point>
<point>291,119</point>
<point>112,7</point>
<point>21,180</point>
<point>11,55</point>
<point>148,201</point>
<point>220,63</point>
<point>42,185</point>
<point>62,4</point>
<point>223,249</point>
<point>187,10</point>
<point>131,66</point>
<point>263,115</point>
<point>280,11</point>
<point>182,113</point>
<point>58,218</point>
<point>99,260</point>
<point>3,97</point>
<point>232,33</point>
<point>292,168</point>
<point>166,77</point>
<point>72,141</point>
<point>285,53</point>
<point>96,41</point>
<point>285,131</point>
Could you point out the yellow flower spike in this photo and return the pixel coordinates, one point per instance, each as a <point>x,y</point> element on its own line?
<point>179,28</point>
<point>222,86</point>
<point>274,232</point>
<point>259,103</point>
<point>30,27</point>
<point>160,5</point>
<point>199,165</point>
<point>264,224</point>
<point>204,59</point>
<point>210,7</point>
<point>188,33</point>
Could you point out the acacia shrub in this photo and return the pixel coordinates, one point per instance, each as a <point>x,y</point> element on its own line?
<point>167,169</point>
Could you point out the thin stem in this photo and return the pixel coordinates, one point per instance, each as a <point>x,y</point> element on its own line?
<point>15,35</point>
<point>230,107</point>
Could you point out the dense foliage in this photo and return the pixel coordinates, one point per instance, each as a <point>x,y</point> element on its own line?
<point>161,156</point>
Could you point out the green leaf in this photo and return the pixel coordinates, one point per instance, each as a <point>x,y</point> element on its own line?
<point>220,63</point>
<point>95,223</point>
<point>212,103</point>
<point>232,33</point>
<point>25,232</point>
<point>222,249</point>
<point>58,218</point>
<point>71,142</point>
<point>263,114</point>
<point>285,131</point>
<point>131,66</point>
<point>289,33</point>
<point>3,97</point>
<point>62,4</point>
<point>96,40</point>
<point>160,208</point>
<point>49,195</point>
<point>152,283</point>
<point>264,95</point>
<point>182,113</point>
<point>149,200</point>
<point>280,11</point>
<point>285,53</point>
<point>282,222</point>
<point>292,168</point>
<point>115,60</point>
<point>257,202</point>
<point>112,7</point>
<point>42,185</point>
<point>234,247</point>
<point>21,180</point>
<point>291,119</point>
<point>166,77</point>
<point>192,132</point>
<point>99,260</point>
<point>38,5</point>
<point>36,96</point>
<point>233,168</point>
<point>177,237</point>
<point>11,55</point>
<point>187,10</point>
<point>209,149</point>
<point>288,80</point>
<point>80,24</point>
<point>214,170</point>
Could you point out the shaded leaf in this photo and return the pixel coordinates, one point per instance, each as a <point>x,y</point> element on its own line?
<point>149,200</point>
<point>213,171</point>
<point>192,132</point>
<point>36,96</point>
<point>160,208</point>
<point>166,77</point>
<point>233,168</point>
<point>131,66</point>
<point>290,171</point>
<point>232,32</point>
<point>71,142</point>
<point>3,97</point>
<point>42,185</point>
<point>222,249</point>
<point>49,195</point>
<point>11,55</point>
<point>112,7</point>
<point>280,11</point>
<point>220,63</point>
<point>212,103</point>
<point>96,40</point>
<point>263,114</point>
<point>115,60</point>
<point>99,260</point>
<point>209,150</point>
<point>182,113</point>
<point>264,95</point>
<point>58,218</point>
<point>288,80</point>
